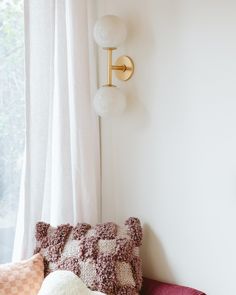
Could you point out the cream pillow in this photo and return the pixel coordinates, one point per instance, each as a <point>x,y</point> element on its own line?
<point>63,282</point>
<point>22,278</point>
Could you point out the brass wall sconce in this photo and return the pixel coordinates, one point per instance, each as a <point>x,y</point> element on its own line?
<point>109,33</point>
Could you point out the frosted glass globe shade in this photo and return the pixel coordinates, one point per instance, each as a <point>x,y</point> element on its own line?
<point>110,31</point>
<point>109,101</point>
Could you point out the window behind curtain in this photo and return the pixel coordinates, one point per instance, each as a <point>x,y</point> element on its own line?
<point>12,119</point>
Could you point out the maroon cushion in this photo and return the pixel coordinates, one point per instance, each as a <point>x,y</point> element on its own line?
<point>151,287</point>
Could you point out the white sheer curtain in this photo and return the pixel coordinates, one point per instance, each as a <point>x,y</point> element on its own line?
<point>61,176</point>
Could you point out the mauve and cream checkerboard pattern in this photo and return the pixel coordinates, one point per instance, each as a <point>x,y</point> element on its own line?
<point>105,257</point>
<point>22,278</point>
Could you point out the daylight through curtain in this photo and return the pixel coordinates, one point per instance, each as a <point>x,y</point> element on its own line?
<point>61,181</point>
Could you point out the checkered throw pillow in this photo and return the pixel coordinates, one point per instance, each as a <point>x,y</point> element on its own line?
<point>22,278</point>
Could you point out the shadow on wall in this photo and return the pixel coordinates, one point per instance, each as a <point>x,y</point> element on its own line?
<point>155,263</point>
<point>140,46</point>
<point>136,115</point>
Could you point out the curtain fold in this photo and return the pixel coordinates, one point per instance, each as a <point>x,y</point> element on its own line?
<point>61,179</point>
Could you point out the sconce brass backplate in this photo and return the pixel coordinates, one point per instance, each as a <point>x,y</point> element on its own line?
<point>128,65</point>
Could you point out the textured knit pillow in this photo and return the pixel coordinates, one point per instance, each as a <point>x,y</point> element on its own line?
<point>105,257</point>
<point>22,278</point>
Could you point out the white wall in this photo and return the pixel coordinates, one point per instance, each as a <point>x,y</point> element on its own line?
<point>171,158</point>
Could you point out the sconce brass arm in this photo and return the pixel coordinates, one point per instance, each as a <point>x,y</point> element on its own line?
<point>124,67</point>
